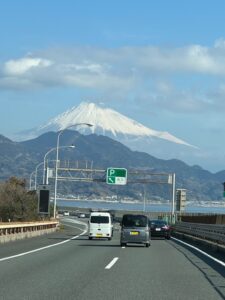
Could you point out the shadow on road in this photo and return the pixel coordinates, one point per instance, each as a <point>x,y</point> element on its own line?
<point>205,265</point>
<point>68,237</point>
<point>99,245</point>
<point>158,238</point>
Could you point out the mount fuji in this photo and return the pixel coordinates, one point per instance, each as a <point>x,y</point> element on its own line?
<point>111,123</point>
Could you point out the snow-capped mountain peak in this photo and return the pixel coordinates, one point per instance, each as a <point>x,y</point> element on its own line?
<point>105,121</point>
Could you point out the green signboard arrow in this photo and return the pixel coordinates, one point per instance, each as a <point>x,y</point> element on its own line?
<point>116,176</point>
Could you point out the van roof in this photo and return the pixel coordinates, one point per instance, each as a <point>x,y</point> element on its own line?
<point>135,215</point>
<point>99,213</point>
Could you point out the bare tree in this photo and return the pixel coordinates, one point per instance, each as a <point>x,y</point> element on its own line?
<point>16,203</point>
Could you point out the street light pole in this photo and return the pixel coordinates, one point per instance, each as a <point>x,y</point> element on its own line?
<point>173,197</point>
<point>57,160</point>
<point>36,170</point>
<point>31,179</point>
<point>44,170</point>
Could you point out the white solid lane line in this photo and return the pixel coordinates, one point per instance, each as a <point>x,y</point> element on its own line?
<point>46,247</point>
<point>109,266</point>
<point>200,251</point>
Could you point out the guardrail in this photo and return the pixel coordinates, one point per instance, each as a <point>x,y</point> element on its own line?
<point>214,233</point>
<point>14,231</point>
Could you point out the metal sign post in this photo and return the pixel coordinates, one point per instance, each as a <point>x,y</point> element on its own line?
<point>43,200</point>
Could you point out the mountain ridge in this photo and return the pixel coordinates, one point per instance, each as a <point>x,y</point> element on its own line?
<point>104,152</point>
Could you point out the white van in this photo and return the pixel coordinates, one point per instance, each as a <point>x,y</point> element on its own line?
<point>100,225</point>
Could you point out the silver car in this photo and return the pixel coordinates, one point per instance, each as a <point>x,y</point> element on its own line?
<point>135,229</point>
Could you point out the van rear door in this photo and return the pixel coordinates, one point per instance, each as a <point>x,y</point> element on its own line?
<point>100,226</point>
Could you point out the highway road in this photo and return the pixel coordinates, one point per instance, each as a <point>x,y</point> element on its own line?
<point>66,265</point>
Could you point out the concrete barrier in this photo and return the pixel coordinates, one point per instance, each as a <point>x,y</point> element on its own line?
<point>15,231</point>
<point>210,232</point>
<point>215,247</point>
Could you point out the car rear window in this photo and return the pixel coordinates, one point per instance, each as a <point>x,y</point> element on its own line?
<point>158,222</point>
<point>100,219</point>
<point>134,221</point>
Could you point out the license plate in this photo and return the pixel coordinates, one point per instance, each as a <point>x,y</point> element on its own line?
<point>134,233</point>
<point>158,229</point>
<point>98,234</point>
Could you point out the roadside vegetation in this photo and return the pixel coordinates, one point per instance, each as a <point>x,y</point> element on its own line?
<point>16,203</point>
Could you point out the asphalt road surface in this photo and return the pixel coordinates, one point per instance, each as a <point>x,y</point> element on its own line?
<point>66,265</point>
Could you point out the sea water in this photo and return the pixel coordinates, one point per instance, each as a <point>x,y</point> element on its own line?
<point>138,206</point>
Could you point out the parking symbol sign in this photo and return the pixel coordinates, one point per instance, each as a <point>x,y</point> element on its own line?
<point>116,176</point>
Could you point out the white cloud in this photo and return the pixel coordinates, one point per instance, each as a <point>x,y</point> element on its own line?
<point>86,66</point>
<point>114,65</point>
<point>220,43</point>
<point>23,65</point>
<point>154,72</point>
<point>193,59</point>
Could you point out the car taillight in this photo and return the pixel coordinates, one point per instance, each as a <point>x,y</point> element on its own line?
<point>165,227</point>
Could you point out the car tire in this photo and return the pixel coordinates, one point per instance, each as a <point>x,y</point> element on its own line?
<point>123,244</point>
<point>90,238</point>
<point>147,245</point>
<point>109,239</point>
<point>168,237</point>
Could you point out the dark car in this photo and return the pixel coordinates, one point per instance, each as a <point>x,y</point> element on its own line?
<point>135,229</point>
<point>160,228</point>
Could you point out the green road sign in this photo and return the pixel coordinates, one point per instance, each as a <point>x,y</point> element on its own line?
<point>116,176</point>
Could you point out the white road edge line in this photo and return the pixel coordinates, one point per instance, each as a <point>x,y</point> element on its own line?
<point>200,251</point>
<point>109,266</point>
<point>46,247</point>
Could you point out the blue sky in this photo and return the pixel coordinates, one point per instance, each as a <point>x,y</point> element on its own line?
<point>161,63</point>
